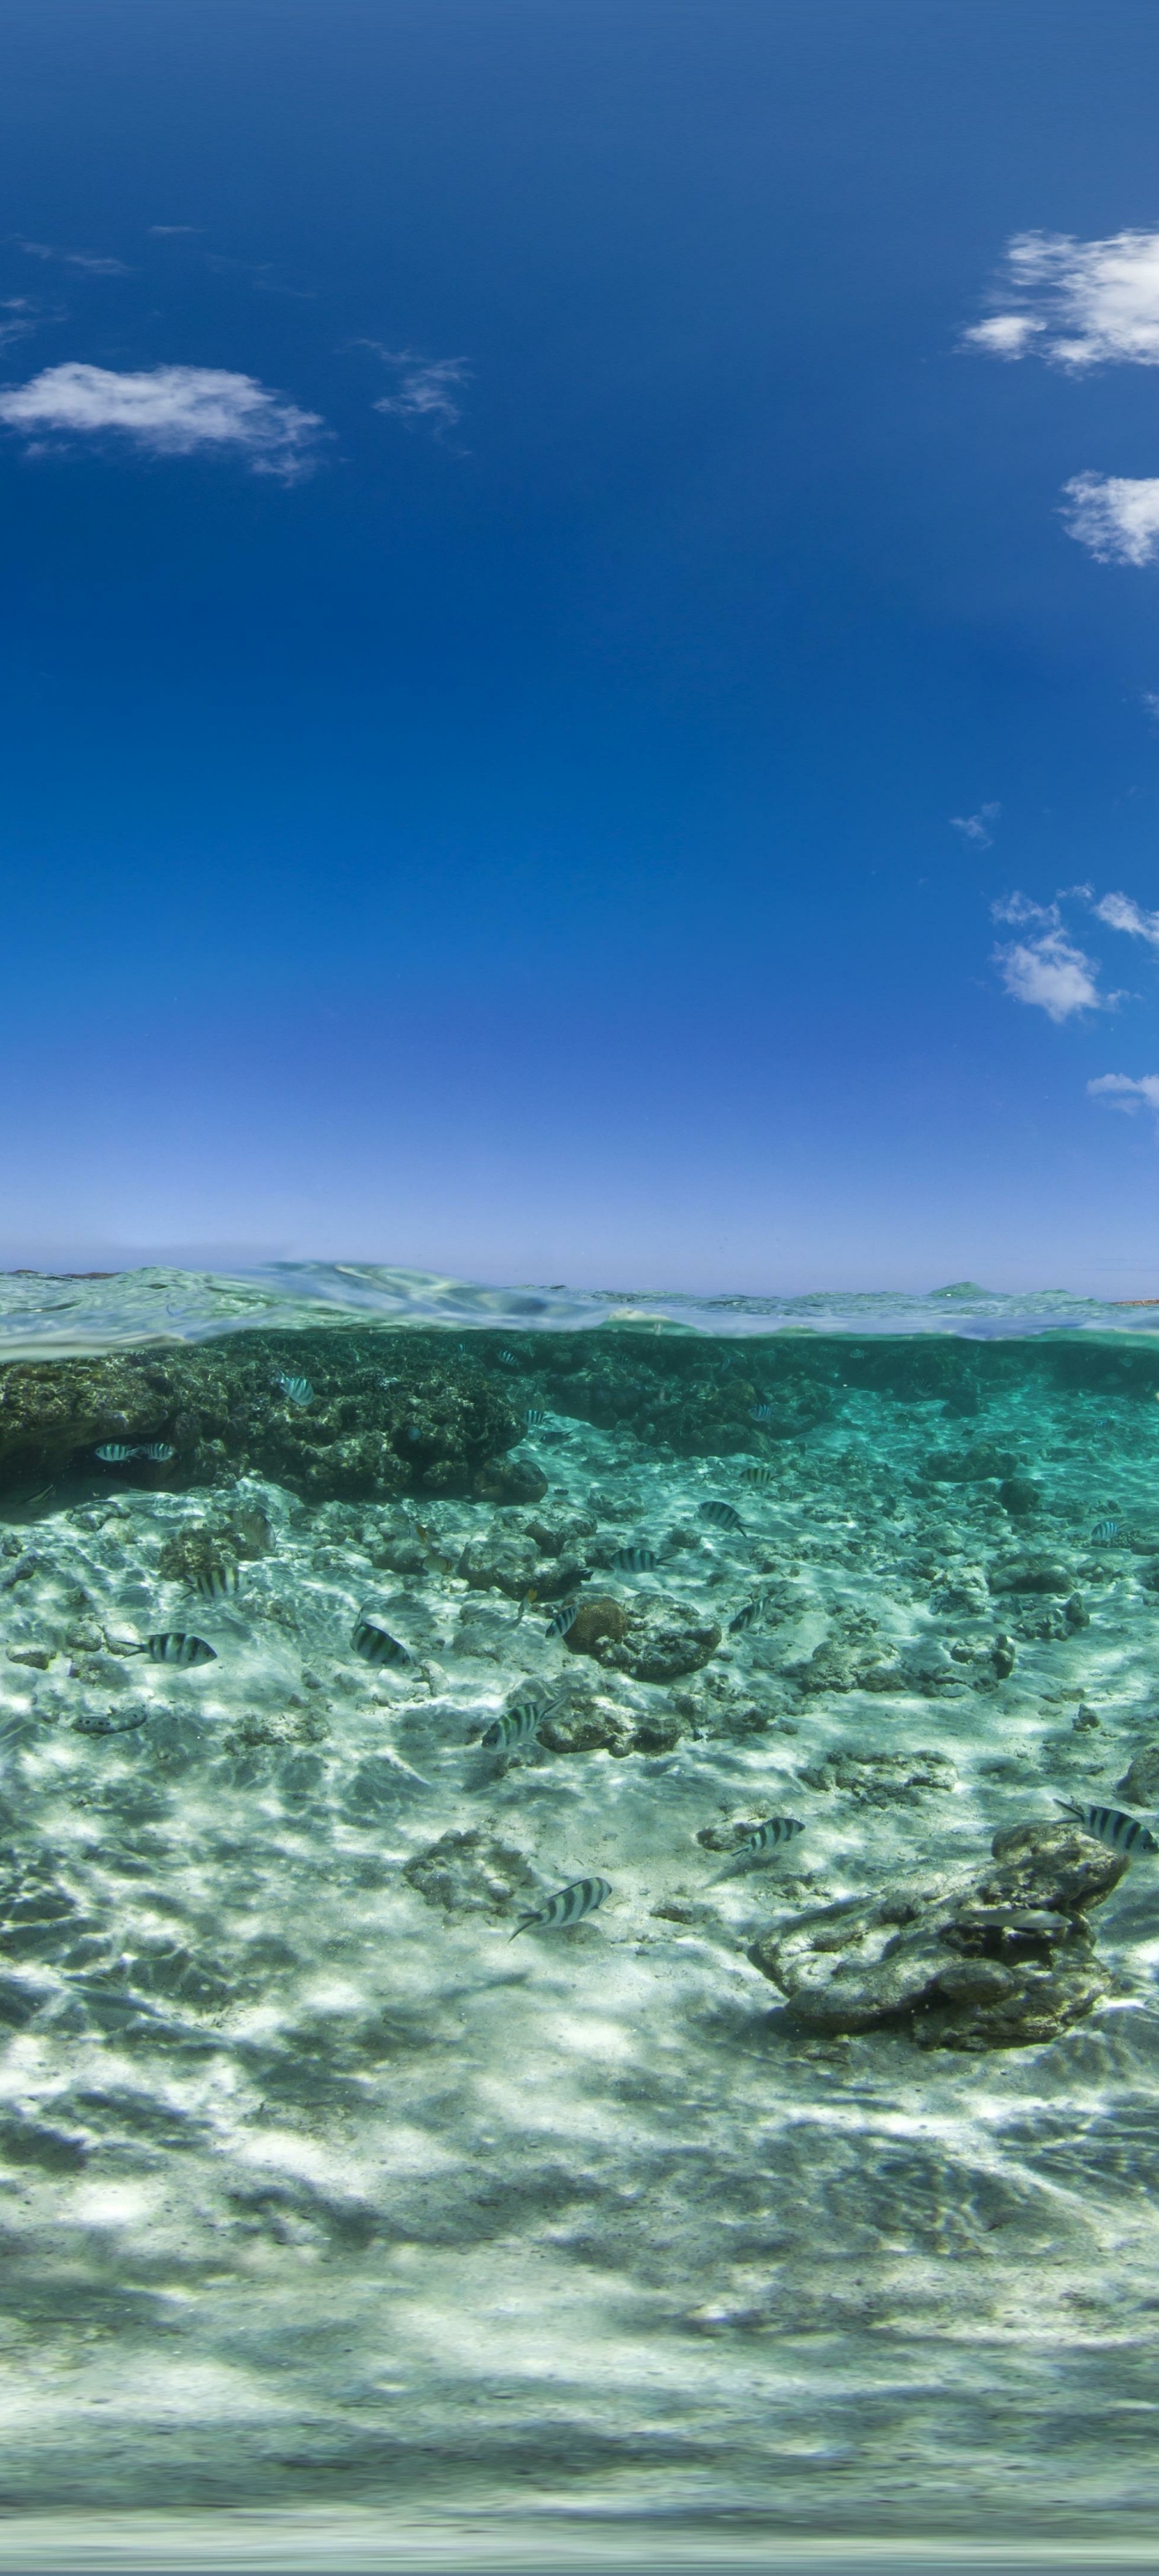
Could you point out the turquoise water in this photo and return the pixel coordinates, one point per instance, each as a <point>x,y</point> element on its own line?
<point>806,2197</point>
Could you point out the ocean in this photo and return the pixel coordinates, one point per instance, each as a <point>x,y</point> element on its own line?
<point>791,2203</point>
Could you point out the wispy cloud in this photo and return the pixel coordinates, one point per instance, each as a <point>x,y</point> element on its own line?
<point>1115,516</point>
<point>1121,912</point>
<point>96,266</point>
<point>1019,911</point>
<point>975,828</point>
<point>1053,975</point>
<point>169,411</point>
<point>176,228</point>
<point>1078,304</point>
<point>1120,1092</point>
<point>426,389</point>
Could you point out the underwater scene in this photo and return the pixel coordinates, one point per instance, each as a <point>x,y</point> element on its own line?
<point>580,1907</point>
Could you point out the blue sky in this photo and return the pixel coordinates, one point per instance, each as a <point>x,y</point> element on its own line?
<point>581,657</point>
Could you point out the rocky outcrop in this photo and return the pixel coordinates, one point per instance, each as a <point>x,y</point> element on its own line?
<point>1001,1958</point>
<point>383,1418</point>
<point>652,1641</point>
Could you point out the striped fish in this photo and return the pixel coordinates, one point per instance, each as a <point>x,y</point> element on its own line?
<point>760,1413</point>
<point>377,1646</point>
<point>1104,1531</point>
<point>1109,1825</point>
<point>177,1648</point>
<point>525,1598</point>
<point>764,1478</point>
<point>517,1725</point>
<point>568,1905</point>
<point>298,1389</point>
<point>635,1560</point>
<point>748,1613</point>
<point>159,1450</point>
<point>217,1581</point>
<point>565,1618</point>
<point>763,1838</point>
<point>721,1515</point>
<point>115,1452</point>
<point>534,1417</point>
<point>508,1358</point>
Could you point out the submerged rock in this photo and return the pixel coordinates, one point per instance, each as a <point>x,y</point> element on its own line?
<point>997,1960</point>
<point>652,1641</point>
<point>1140,1785</point>
<point>471,1873</point>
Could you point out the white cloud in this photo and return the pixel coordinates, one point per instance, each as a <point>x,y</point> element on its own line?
<point>426,388</point>
<point>1150,699</point>
<point>1115,515</point>
<point>975,828</point>
<point>97,267</point>
<point>1051,973</point>
<point>1120,1092</point>
<point>1121,912</point>
<point>169,411</point>
<point>1005,335</point>
<point>1083,303</point>
<point>1019,910</point>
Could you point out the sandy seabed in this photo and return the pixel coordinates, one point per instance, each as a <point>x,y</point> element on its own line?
<point>323,2199</point>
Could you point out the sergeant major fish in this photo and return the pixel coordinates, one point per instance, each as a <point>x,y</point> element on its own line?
<point>1104,1531</point>
<point>298,1389</point>
<point>517,1725</point>
<point>1109,1825</point>
<point>534,1417</point>
<point>565,1618</point>
<point>115,1452</point>
<point>721,1515</point>
<point>568,1905</point>
<point>748,1613</point>
<point>764,1838</point>
<point>175,1647</point>
<point>217,1582</point>
<point>764,1478</point>
<point>376,1645</point>
<point>760,1413</point>
<point>635,1560</point>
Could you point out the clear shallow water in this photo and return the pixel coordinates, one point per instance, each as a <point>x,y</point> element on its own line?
<point>40,1315</point>
<point>323,2197</point>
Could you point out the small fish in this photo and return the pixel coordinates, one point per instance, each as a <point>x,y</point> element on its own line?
<point>160,1450</point>
<point>508,1359</point>
<point>217,1582</point>
<point>436,1557</point>
<point>764,1478</point>
<point>747,1614</point>
<point>1109,1825</point>
<point>568,1905</point>
<point>534,1417</point>
<point>760,1413</point>
<point>298,1389</point>
<point>721,1515</point>
<point>565,1618</point>
<point>525,1600</point>
<point>177,1648</point>
<point>517,1725</point>
<point>1103,1531</point>
<point>635,1560</point>
<point>377,1646</point>
<point>763,1838</point>
<point>115,1452</point>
